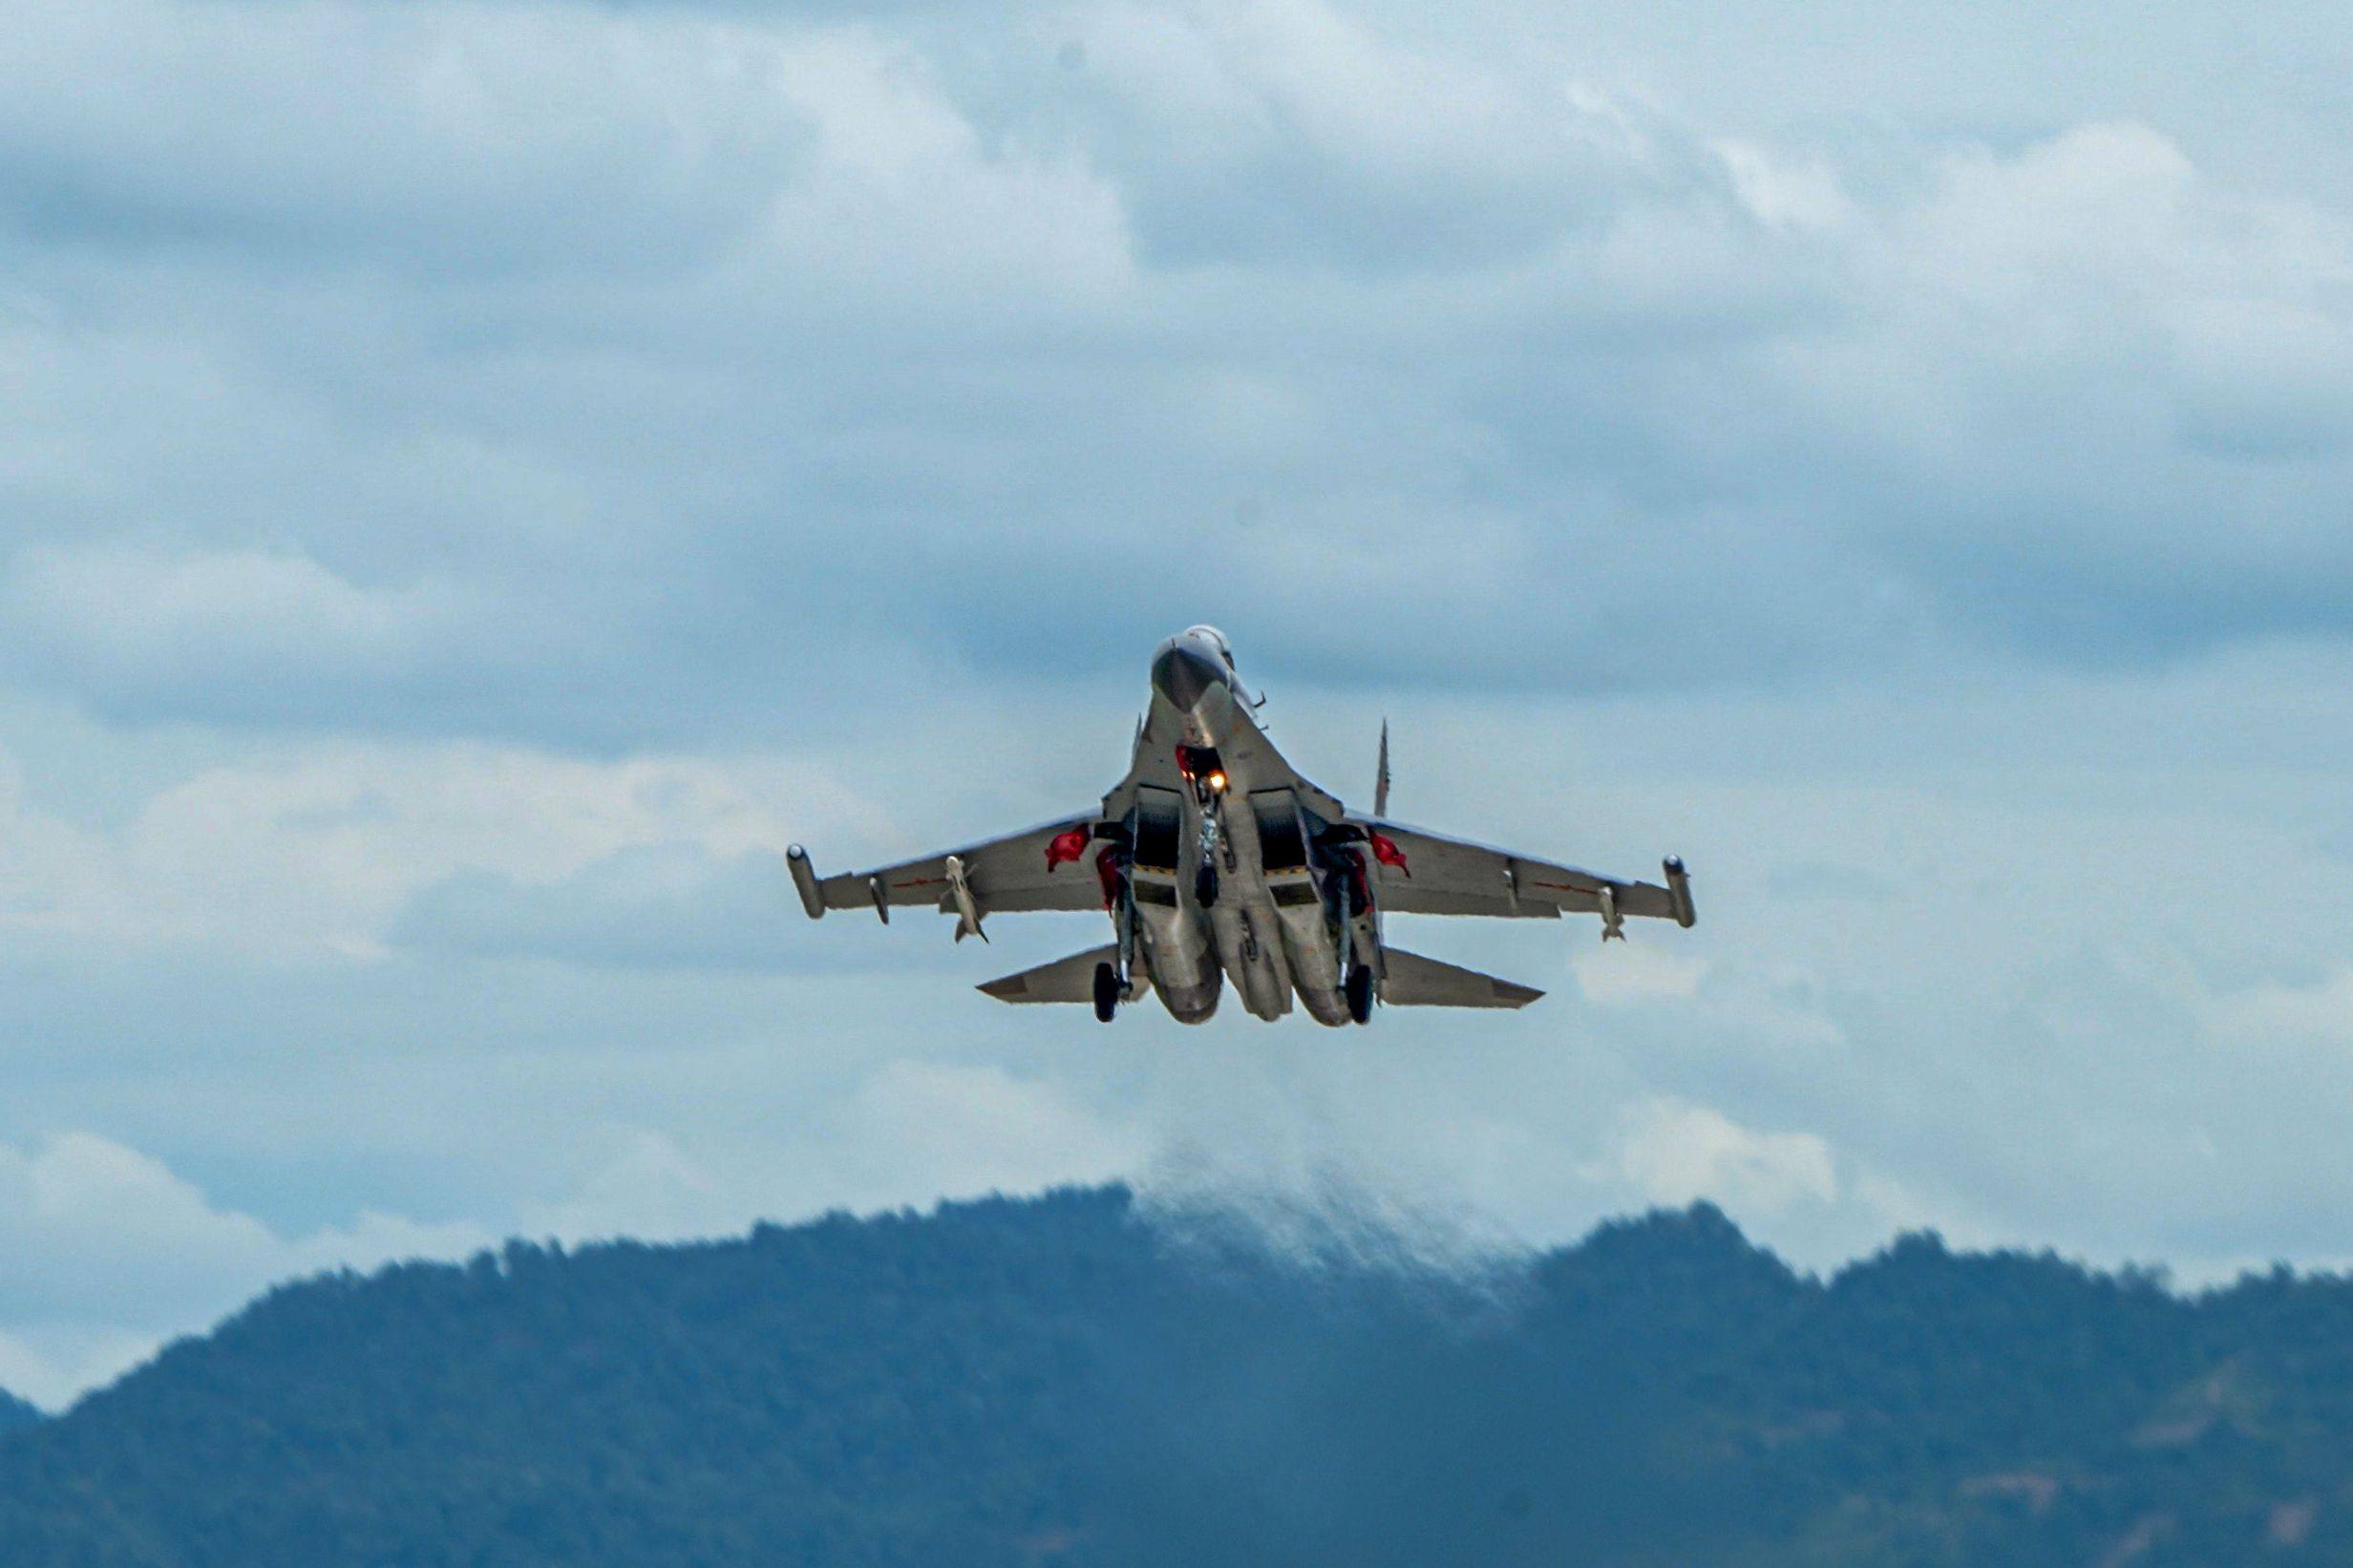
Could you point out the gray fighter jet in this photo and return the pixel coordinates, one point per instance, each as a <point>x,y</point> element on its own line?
<point>1215,860</point>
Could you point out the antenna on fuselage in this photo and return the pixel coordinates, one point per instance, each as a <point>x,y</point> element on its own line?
<point>1380,780</point>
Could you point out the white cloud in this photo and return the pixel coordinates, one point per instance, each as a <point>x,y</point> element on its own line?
<point>916,1127</point>
<point>222,616</point>
<point>324,846</point>
<point>1784,194</point>
<point>794,318</point>
<point>1672,1153</point>
<point>2323,1011</point>
<point>903,1132</point>
<point>53,1364</point>
<point>1622,975</point>
<point>906,208</point>
<point>111,1253</point>
<point>651,1189</point>
<point>467,133</point>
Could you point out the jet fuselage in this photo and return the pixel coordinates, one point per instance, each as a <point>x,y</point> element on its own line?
<point>1250,894</point>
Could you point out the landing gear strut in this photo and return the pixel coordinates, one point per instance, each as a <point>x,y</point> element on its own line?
<point>1358,989</point>
<point>1107,989</point>
<point>1213,832</point>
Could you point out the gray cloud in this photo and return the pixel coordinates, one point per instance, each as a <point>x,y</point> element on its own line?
<point>480,478</point>
<point>650,906</point>
<point>592,375</point>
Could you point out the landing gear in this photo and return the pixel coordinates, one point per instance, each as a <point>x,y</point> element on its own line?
<point>1107,989</point>
<point>1213,835</point>
<point>1358,989</point>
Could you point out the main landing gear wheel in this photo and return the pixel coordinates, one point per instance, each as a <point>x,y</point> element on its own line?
<point>1205,886</point>
<point>1107,991</point>
<point>1358,989</point>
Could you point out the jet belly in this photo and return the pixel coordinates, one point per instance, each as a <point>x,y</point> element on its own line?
<point>1173,942</point>
<point>1244,935</point>
<point>1175,948</point>
<point>1303,923</point>
<point>1313,960</point>
<point>1248,935</point>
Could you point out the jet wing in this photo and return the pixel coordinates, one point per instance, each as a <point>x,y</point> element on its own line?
<point>1050,866</point>
<point>1417,871</point>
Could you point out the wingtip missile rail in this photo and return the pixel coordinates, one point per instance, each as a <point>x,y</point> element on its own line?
<point>1679,891</point>
<point>805,879</point>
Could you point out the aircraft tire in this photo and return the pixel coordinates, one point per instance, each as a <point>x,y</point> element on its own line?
<point>1358,987</point>
<point>1106,993</point>
<point>1205,886</point>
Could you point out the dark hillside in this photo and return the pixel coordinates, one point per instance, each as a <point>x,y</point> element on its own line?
<point>15,1414</point>
<point>1054,1380</point>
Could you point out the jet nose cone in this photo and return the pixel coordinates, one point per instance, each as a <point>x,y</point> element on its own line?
<point>1184,674</point>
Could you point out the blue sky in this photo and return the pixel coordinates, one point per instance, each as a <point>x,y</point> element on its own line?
<point>479,478</point>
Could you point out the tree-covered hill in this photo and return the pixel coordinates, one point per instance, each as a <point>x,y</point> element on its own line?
<point>1058,1382</point>
<point>15,1414</point>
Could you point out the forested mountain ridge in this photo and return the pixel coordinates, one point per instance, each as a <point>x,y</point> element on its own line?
<point>15,1414</point>
<point>1060,1381</point>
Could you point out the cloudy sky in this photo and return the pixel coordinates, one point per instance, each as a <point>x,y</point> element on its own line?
<point>477,477</point>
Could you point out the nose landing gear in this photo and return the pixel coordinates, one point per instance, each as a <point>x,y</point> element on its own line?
<point>1213,838</point>
<point>1357,988</point>
<point>1107,989</point>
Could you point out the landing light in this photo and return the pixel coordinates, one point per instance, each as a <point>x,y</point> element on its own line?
<point>1217,782</point>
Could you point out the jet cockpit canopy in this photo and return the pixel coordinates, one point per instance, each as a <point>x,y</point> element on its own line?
<point>1214,635</point>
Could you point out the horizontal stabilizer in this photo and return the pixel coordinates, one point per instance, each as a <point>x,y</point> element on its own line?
<point>1065,980</point>
<point>1412,980</point>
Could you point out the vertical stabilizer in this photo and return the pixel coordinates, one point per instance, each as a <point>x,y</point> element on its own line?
<point>1380,780</point>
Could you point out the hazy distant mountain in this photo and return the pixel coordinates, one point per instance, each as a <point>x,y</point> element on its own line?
<point>1056,1381</point>
<point>14,1413</point>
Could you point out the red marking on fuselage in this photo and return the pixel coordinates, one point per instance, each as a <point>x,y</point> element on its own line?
<point>1385,851</point>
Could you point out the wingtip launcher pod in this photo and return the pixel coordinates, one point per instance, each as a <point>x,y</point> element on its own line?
<point>805,879</point>
<point>1679,891</point>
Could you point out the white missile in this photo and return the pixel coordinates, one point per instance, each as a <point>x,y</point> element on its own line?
<point>967,910</point>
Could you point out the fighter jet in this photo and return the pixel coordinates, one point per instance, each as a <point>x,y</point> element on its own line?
<point>1216,860</point>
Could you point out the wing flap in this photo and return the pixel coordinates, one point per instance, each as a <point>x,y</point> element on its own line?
<point>1408,980</point>
<point>1406,899</point>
